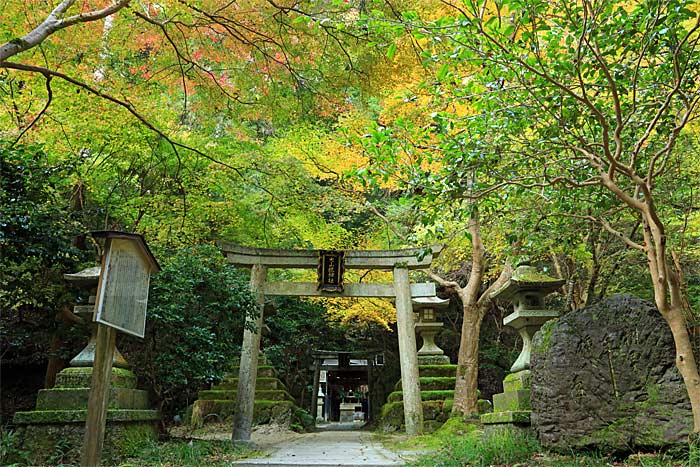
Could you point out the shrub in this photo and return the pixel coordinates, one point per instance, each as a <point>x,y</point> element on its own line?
<point>196,312</point>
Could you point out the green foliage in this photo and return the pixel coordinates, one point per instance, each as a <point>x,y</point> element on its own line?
<point>9,451</point>
<point>37,244</point>
<point>196,312</point>
<point>298,328</point>
<point>192,453</point>
<point>478,450</point>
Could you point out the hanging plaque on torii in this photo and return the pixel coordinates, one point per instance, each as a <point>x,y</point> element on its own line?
<point>331,266</point>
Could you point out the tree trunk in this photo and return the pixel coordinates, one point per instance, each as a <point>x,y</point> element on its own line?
<point>466,386</point>
<point>667,295</point>
<point>685,359</point>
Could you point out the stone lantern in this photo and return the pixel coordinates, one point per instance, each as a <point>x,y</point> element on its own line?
<point>527,289</point>
<point>428,327</point>
<point>87,279</point>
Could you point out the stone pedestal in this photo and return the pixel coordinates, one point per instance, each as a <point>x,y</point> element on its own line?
<point>58,422</point>
<point>273,404</point>
<point>319,405</point>
<point>512,406</point>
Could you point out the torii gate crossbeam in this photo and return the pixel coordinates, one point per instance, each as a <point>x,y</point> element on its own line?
<point>398,261</point>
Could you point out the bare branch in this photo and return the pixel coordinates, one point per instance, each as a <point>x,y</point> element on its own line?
<point>503,277</point>
<point>126,105</point>
<point>389,224</point>
<point>49,92</point>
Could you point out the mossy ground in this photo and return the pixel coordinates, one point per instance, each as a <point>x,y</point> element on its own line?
<point>188,453</point>
<point>460,443</point>
<point>59,444</point>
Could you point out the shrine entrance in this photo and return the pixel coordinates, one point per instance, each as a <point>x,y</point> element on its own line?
<point>330,266</point>
<point>342,385</point>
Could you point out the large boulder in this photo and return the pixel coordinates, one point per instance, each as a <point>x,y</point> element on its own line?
<point>605,378</point>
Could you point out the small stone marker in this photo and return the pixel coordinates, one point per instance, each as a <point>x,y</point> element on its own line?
<point>121,304</point>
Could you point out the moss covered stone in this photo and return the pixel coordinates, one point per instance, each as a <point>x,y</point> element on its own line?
<point>52,444</point>
<point>516,417</point>
<point>424,395</point>
<point>541,339</point>
<point>517,381</point>
<point>432,383</point>
<point>273,395</point>
<point>512,400</point>
<point>437,370</point>
<point>264,411</point>
<point>81,377</point>
<point>77,398</point>
<point>39,417</point>
<point>265,383</point>
<point>605,378</point>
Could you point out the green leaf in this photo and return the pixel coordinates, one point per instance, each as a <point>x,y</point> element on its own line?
<point>391,51</point>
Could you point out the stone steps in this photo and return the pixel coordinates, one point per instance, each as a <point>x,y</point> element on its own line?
<point>437,383</point>
<point>433,383</point>
<point>266,382</point>
<point>81,377</point>
<point>273,403</point>
<point>260,394</point>
<point>424,395</point>
<point>206,411</point>
<point>434,371</point>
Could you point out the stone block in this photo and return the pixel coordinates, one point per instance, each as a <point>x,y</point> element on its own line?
<point>424,395</point>
<point>517,381</point>
<point>516,417</point>
<point>437,370</point>
<point>38,417</point>
<point>604,378</point>
<point>512,401</point>
<point>433,383</point>
<point>77,398</point>
<point>433,360</point>
<point>81,377</point>
<point>270,395</point>
<point>264,411</point>
<point>265,383</point>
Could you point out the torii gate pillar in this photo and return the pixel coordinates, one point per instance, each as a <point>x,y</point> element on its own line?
<point>408,355</point>
<point>248,370</point>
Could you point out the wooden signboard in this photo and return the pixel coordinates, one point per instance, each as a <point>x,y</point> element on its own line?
<point>121,304</point>
<point>123,294</point>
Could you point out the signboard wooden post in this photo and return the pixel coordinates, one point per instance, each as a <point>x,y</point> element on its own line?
<point>127,264</point>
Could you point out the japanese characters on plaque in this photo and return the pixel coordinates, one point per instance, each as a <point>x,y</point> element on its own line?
<point>331,266</point>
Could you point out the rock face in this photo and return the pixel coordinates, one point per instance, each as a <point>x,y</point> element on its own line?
<point>605,377</point>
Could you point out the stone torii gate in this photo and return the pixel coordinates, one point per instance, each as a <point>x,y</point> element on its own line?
<point>398,261</point>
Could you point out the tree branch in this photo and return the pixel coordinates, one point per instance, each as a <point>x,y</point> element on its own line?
<point>54,23</point>
<point>41,113</point>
